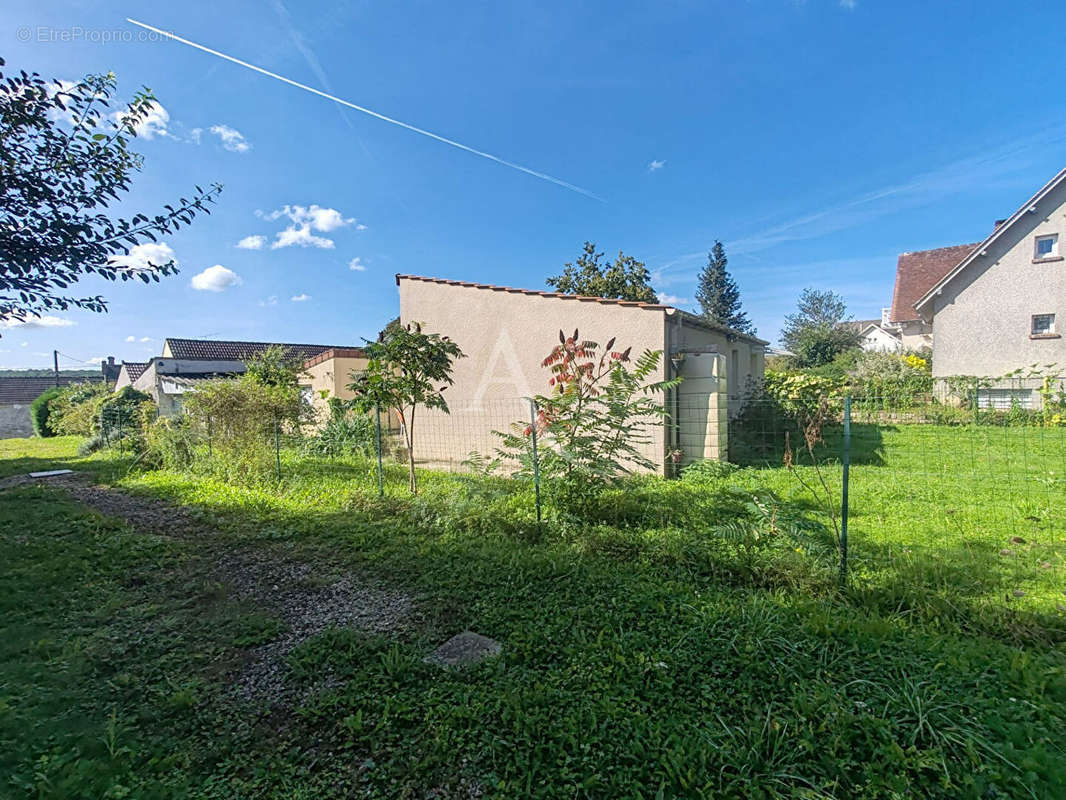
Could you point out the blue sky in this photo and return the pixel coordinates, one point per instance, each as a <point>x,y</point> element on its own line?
<point>817,139</point>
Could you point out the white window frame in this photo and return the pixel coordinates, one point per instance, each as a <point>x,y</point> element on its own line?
<point>1050,329</point>
<point>1054,238</point>
<point>1004,399</point>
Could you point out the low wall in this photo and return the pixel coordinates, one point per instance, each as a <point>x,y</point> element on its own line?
<point>15,421</point>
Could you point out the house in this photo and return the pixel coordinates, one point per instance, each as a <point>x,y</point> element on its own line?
<point>505,333</point>
<point>328,374</point>
<point>916,274</point>
<point>16,394</point>
<point>875,336</point>
<point>996,306</point>
<point>186,363</point>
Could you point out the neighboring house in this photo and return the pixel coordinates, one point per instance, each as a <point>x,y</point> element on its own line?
<point>128,372</point>
<point>875,337</point>
<point>505,334</point>
<point>916,274</point>
<point>16,394</point>
<point>996,306</point>
<point>186,363</point>
<point>328,374</point>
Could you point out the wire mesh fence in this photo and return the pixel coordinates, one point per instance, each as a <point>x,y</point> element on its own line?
<point>966,501</point>
<point>945,498</point>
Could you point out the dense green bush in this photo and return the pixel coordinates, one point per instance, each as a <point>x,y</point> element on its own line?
<point>41,412</point>
<point>346,432</point>
<point>895,380</point>
<point>76,410</point>
<point>239,420</point>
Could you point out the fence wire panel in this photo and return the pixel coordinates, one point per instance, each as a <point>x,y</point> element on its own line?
<point>977,507</point>
<point>464,438</point>
<point>962,504</point>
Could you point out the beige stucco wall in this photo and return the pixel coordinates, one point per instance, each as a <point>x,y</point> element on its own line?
<point>505,337</point>
<point>915,336</point>
<point>982,320</point>
<point>744,361</point>
<point>331,376</point>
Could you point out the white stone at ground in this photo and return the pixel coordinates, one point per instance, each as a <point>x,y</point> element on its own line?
<point>464,649</point>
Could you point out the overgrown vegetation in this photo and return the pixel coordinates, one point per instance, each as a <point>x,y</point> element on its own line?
<point>595,425</point>
<point>238,421</point>
<point>689,643</point>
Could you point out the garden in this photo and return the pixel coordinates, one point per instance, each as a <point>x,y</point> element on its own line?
<point>661,638</point>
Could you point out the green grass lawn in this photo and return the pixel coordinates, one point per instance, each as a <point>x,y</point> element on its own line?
<point>644,655</point>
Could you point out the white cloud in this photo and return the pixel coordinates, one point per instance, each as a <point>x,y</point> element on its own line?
<point>194,135</point>
<point>24,344</point>
<point>673,300</point>
<point>270,301</point>
<point>252,242</point>
<point>306,219</point>
<point>848,4</point>
<point>131,338</point>
<point>215,279</point>
<point>154,124</point>
<point>141,255</point>
<point>656,164</point>
<point>232,139</point>
<point>145,339</point>
<point>357,265</point>
<point>142,340</point>
<point>301,236</point>
<point>360,227</point>
<point>300,298</point>
<point>31,323</point>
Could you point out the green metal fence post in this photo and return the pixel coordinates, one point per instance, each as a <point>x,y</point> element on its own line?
<point>536,461</point>
<point>381,472</point>
<point>846,460</point>
<point>277,449</point>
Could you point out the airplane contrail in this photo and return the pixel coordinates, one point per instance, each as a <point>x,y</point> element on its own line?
<point>543,176</point>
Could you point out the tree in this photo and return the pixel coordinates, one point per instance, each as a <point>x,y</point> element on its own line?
<point>274,366</point>
<point>64,160</point>
<point>405,370</point>
<point>815,334</point>
<point>718,295</point>
<point>625,279</point>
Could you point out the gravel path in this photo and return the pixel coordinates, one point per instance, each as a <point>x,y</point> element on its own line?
<point>307,600</point>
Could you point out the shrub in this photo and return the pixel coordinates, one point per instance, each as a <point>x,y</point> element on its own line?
<point>240,417</point>
<point>346,432</point>
<point>171,442</point>
<point>892,380</point>
<point>593,424</point>
<point>41,412</point>
<point>76,410</point>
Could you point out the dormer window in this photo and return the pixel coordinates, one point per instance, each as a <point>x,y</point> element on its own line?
<point>1047,246</point>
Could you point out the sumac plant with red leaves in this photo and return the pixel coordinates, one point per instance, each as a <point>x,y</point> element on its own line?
<point>594,425</point>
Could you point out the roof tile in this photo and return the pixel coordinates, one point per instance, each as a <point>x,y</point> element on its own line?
<point>917,273</point>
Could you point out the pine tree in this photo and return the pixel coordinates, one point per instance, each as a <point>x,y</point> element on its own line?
<point>718,295</point>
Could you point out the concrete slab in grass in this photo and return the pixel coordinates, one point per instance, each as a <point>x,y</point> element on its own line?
<point>463,650</point>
